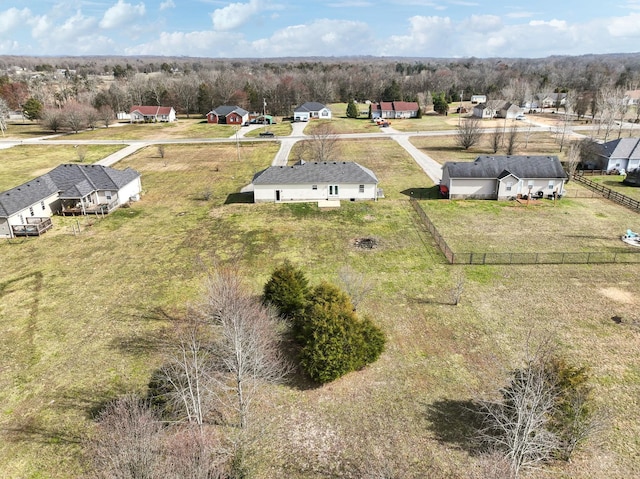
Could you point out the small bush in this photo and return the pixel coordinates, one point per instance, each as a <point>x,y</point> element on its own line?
<point>287,290</point>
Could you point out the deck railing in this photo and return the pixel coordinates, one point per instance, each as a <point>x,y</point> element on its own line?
<point>33,227</point>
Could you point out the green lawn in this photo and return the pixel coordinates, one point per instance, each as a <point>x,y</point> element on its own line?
<point>23,163</point>
<point>86,318</point>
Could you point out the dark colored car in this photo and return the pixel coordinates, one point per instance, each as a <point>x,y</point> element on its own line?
<point>267,133</point>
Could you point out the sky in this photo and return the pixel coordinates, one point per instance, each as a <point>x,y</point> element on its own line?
<point>325,28</point>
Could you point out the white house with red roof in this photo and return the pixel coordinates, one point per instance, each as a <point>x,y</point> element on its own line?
<point>152,114</point>
<point>395,109</point>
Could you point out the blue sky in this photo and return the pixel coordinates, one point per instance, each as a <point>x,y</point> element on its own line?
<point>282,28</point>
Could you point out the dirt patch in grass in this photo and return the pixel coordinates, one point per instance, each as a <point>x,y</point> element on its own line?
<point>618,295</point>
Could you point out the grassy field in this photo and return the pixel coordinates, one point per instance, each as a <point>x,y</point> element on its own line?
<point>22,163</point>
<point>567,225</point>
<point>615,183</point>
<point>84,319</point>
<point>444,148</point>
<point>184,128</point>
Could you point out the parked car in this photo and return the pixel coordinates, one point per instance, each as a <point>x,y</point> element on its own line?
<point>267,133</point>
<point>520,117</point>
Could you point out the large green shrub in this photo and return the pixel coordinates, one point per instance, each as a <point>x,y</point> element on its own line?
<point>334,341</point>
<point>287,290</point>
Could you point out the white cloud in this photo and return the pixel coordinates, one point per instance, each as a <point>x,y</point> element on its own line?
<point>196,44</point>
<point>13,18</point>
<point>628,26</point>
<point>560,24</point>
<point>320,38</point>
<point>234,15</point>
<point>167,4</point>
<point>74,28</point>
<point>520,14</point>
<point>482,23</point>
<point>426,35</point>
<point>121,14</point>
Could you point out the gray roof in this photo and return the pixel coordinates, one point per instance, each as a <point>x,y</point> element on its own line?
<point>71,181</point>
<point>310,106</point>
<point>316,172</point>
<point>224,110</point>
<point>501,166</point>
<point>628,148</point>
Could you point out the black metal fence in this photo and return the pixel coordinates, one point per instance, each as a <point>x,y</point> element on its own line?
<point>491,258</point>
<point>609,193</point>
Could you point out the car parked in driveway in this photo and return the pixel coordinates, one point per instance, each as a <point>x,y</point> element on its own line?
<point>520,117</point>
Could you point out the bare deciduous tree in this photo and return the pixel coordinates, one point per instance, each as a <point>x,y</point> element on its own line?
<point>512,141</point>
<point>469,133</point>
<point>355,284</point>
<point>127,441</point>
<point>495,139</point>
<point>246,350</point>
<point>323,146</point>
<point>4,114</point>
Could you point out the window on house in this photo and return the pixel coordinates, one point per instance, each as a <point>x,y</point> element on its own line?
<point>361,188</point>
<point>509,185</point>
<point>107,194</point>
<point>21,219</point>
<point>314,187</point>
<point>31,210</point>
<point>551,185</point>
<point>42,204</point>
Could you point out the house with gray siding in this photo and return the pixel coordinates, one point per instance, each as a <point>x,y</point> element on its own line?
<point>620,154</point>
<point>68,189</point>
<point>503,177</point>
<point>315,181</point>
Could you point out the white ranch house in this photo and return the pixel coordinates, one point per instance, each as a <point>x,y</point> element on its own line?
<point>620,154</point>
<point>503,177</point>
<point>311,110</point>
<point>151,114</point>
<point>68,189</point>
<point>315,181</point>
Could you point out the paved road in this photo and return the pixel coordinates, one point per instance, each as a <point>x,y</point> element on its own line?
<point>431,167</point>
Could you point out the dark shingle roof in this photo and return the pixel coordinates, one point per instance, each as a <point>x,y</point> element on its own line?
<point>224,110</point>
<point>628,148</point>
<point>316,172</point>
<point>501,166</point>
<point>69,180</point>
<point>25,195</point>
<point>310,106</point>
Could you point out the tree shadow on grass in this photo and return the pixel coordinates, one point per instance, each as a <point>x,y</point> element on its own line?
<point>455,422</point>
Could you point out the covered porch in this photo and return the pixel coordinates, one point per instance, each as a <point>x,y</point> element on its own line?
<point>75,207</point>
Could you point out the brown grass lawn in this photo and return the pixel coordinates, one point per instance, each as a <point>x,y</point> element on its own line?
<point>444,148</point>
<point>183,128</point>
<point>22,163</point>
<point>615,183</point>
<point>567,225</point>
<point>85,318</point>
<point>23,130</point>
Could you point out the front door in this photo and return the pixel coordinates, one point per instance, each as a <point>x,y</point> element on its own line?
<point>333,191</point>
<point>277,195</point>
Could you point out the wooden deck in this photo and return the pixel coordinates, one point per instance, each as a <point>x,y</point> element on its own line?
<point>101,209</point>
<point>33,227</point>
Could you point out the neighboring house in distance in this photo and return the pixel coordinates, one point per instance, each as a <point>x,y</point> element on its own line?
<point>632,97</point>
<point>315,181</point>
<point>476,99</point>
<point>228,115</point>
<point>311,110</point>
<point>395,109</point>
<point>152,114</point>
<point>621,154</point>
<point>483,111</point>
<point>503,177</point>
<point>552,100</point>
<point>509,111</point>
<point>68,189</point>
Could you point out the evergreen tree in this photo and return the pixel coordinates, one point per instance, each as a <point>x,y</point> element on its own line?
<point>352,110</point>
<point>32,109</point>
<point>440,104</point>
<point>287,290</point>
